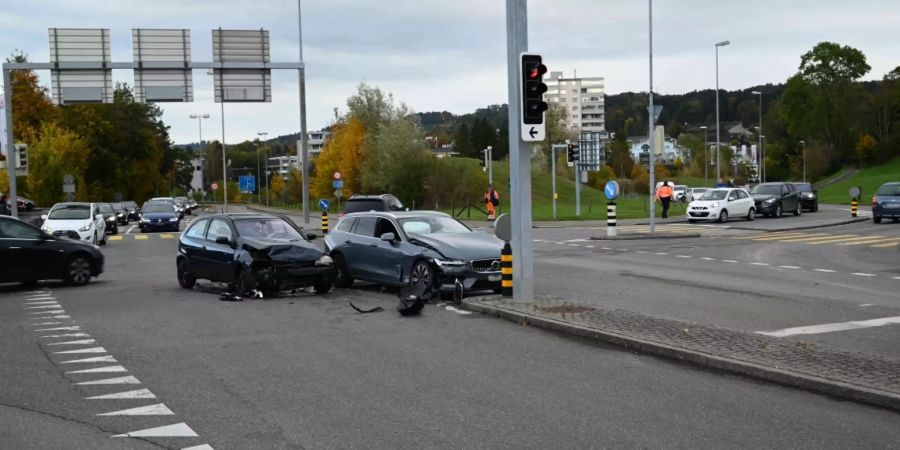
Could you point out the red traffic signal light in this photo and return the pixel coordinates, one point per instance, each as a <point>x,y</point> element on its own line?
<point>537,71</point>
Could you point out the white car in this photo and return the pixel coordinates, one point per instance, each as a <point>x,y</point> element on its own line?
<point>721,204</point>
<point>679,193</point>
<point>77,221</point>
<point>695,193</point>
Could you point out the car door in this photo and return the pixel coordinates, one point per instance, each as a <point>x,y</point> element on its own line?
<point>789,201</point>
<point>356,249</point>
<point>733,204</point>
<point>219,258</point>
<point>36,256</point>
<point>387,257</point>
<point>747,201</point>
<point>192,245</point>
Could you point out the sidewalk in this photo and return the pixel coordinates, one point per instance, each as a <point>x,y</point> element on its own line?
<point>852,376</point>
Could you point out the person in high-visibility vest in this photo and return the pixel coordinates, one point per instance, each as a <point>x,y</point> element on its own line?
<point>492,199</point>
<point>664,194</point>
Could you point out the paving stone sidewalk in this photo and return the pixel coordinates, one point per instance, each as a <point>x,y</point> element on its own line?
<point>860,377</point>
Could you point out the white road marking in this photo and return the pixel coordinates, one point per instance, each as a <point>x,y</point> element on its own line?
<point>107,369</point>
<point>866,304</point>
<point>75,328</point>
<point>80,342</point>
<point>66,335</point>
<point>199,447</point>
<point>140,393</point>
<point>51,302</point>
<point>643,252</point>
<point>159,409</point>
<point>82,350</point>
<point>832,327</point>
<point>46,323</point>
<point>661,254</point>
<point>120,380</point>
<point>55,311</point>
<point>97,359</point>
<point>759,264</point>
<point>862,274</point>
<point>684,256</point>
<point>705,258</point>
<point>457,310</point>
<point>40,297</point>
<point>54,305</point>
<point>176,430</point>
<point>577,240</point>
<point>606,248</point>
<point>590,246</point>
<point>130,229</point>
<point>789,267</point>
<point>895,278</point>
<point>574,245</point>
<point>53,317</point>
<point>824,270</point>
<point>729,260</point>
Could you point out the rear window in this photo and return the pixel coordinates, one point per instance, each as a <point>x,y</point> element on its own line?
<point>363,205</point>
<point>890,190</point>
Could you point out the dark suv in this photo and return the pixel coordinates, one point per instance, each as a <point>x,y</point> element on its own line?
<point>773,199</point>
<point>809,196</point>
<point>886,202</point>
<point>364,203</point>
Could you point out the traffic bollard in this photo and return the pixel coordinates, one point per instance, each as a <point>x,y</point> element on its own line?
<point>506,281</point>
<point>324,222</point>
<point>611,230</point>
<point>854,207</point>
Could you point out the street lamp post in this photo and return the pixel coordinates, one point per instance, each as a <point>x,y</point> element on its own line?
<point>705,155</point>
<point>718,133</point>
<point>200,118</point>
<point>759,149</point>
<point>803,143</point>
<point>651,119</point>
<point>263,135</point>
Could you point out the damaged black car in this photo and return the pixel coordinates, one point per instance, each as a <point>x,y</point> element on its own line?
<point>252,252</point>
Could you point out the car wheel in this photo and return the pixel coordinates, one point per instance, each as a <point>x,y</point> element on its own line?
<point>723,216</point>
<point>245,282</point>
<point>751,215</point>
<point>876,219</point>
<point>78,271</point>
<point>896,219</point>
<point>95,241</point>
<point>799,210</point>
<point>103,241</point>
<point>816,206</point>
<point>185,278</point>
<point>322,287</point>
<point>421,279</point>
<point>342,278</point>
<point>778,211</point>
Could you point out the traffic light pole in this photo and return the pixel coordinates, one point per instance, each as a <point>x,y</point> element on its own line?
<point>10,144</point>
<point>519,155</point>
<point>577,189</point>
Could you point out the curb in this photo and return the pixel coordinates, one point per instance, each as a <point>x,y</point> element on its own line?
<point>807,227</point>
<point>632,237</point>
<point>819,385</point>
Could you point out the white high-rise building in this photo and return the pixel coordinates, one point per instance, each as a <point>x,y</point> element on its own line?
<point>582,99</point>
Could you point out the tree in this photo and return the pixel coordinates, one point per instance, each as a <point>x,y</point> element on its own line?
<point>277,186</point>
<point>398,161</point>
<point>462,143</point>
<point>344,153</point>
<point>58,152</point>
<point>620,156</point>
<point>30,102</point>
<point>865,148</point>
<point>372,107</point>
<point>557,132</point>
<point>640,178</point>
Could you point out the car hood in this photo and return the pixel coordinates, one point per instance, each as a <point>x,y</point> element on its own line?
<point>761,197</point>
<point>281,250</point>
<point>464,246</point>
<point>162,215</point>
<point>69,224</point>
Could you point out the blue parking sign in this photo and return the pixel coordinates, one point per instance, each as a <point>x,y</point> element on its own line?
<point>323,204</point>
<point>247,183</point>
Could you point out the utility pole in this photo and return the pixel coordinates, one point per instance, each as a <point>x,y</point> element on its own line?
<point>803,143</point>
<point>718,125</point>
<point>303,148</point>
<point>651,120</point>
<point>200,118</point>
<point>262,135</point>
<point>760,130</point>
<point>705,155</point>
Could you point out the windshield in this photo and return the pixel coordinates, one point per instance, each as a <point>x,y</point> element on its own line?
<point>70,212</point>
<point>803,187</point>
<point>105,208</point>
<point>889,190</point>
<point>273,227</point>
<point>716,194</point>
<point>680,188</point>
<point>700,190</point>
<point>432,225</point>
<point>768,189</point>
<point>181,199</point>
<point>158,208</point>
<point>118,207</point>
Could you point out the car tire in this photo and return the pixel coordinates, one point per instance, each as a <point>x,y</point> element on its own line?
<point>421,279</point>
<point>342,278</point>
<point>779,212</point>
<point>322,288</point>
<point>185,279</point>
<point>723,216</point>
<point>876,219</point>
<point>95,241</point>
<point>77,271</point>
<point>799,210</point>
<point>751,215</point>
<point>815,206</point>
<point>410,306</point>
<point>103,241</point>
<point>245,282</point>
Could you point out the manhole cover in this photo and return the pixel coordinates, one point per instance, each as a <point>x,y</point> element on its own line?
<point>566,309</point>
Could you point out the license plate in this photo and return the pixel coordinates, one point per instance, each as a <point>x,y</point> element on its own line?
<point>494,277</point>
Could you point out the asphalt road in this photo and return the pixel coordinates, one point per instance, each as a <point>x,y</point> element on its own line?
<point>310,372</point>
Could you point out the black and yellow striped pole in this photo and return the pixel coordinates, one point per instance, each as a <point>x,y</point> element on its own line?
<point>611,230</point>
<point>854,207</point>
<point>506,272</point>
<point>324,222</point>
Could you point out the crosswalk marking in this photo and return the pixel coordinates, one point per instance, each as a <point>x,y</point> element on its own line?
<point>115,238</point>
<point>166,236</point>
<point>834,241</point>
<point>782,236</point>
<point>813,238</point>
<point>140,237</point>
<point>886,245</point>
<point>767,235</point>
<point>874,240</point>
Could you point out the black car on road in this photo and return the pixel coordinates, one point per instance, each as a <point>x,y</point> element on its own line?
<point>110,217</point>
<point>134,211</point>
<point>252,252</point>
<point>809,196</point>
<point>411,249</point>
<point>773,199</point>
<point>121,213</point>
<point>361,203</point>
<point>886,202</point>
<point>29,255</point>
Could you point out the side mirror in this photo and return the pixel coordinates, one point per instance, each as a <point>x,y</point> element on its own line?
<point>311,236</point>
<point>388,237</point>
<point>43,217</point>
<point>222,240</point>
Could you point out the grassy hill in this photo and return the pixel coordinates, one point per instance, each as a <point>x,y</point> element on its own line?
<point>870,179</point>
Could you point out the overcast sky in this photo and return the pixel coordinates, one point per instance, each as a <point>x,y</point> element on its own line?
<point>451,54</point>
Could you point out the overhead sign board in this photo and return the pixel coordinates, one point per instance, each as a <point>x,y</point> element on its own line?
<point>81,71</point>
<point>242,85</point>
<point>155,49</point>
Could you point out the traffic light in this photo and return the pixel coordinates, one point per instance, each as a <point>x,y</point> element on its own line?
<point>533,89</point>
<point>22,157</point>
<point>573,153</point>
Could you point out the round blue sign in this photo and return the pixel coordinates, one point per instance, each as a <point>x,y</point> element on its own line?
<point>323,204</point>
<point>611,190</point>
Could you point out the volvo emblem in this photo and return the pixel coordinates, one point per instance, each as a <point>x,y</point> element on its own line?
<point>495,265</point>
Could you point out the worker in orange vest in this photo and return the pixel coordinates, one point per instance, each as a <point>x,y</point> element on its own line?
<point>492,198</point>
<point>664,195</point>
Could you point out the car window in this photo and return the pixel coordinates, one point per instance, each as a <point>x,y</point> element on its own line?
<point>743,194</point>
<point>766,189</point>
<point>365,226</point>
<point>198,229</point>
<point>733,196</point>
<point>889,190</point>
<point>385,226</point>
<point>432,225</point>
<point>158,208</point>
<point>218,228</point>
<point>268,227</point>
<point>716,194</point>
<point>106,209</point>
<point>346,225</point>
<point>363,205</point>
<point>71,212</point>
<point>15,230</point>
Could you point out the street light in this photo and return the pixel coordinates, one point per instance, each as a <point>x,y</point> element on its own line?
<point>705,155</point>
<point>200,118</point>
<point>263,134</point>
<point>803,143</point>
<point>718,134</point>
<point>759,162</point>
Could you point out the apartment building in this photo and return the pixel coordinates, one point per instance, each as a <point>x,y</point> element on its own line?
<point>582,99</point>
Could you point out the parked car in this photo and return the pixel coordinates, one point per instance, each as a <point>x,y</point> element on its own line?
<point>78,221</point>
<point>159,216</point>
<point>773,199</point>
<point>121,213</point>
<point>110,217</point>
<point>886,202</point>
<point>184,204</point>
<point>254,252</point>
<point>414,249</point>
<point>721,204</point>
<point>134,211</point>
<point>695,193</point>
<point>383,202</point>
<point>809,196</point>
<point>679,193</point>
<point>24,204</point>
<point>40,256</point>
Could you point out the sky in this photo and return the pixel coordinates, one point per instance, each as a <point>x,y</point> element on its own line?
<point>437,55</point>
